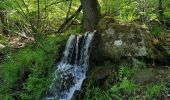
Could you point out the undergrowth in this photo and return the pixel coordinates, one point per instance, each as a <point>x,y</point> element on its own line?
<point>26,73</point>
<point>124,87</point>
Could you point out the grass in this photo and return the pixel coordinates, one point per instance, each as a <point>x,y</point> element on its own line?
<point>29,69</point>
<point>125,88</point>
<point>153,90</point>
<point>157,30</point>
<point>96,93</point>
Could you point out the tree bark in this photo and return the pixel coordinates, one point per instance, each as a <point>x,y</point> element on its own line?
<point>4,20</point>
<point>91,14</point>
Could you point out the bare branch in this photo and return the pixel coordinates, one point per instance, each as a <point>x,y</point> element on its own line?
<point>60,30</point>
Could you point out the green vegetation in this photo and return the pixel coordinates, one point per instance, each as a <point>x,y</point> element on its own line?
<point>96,93</point>
<point>125,88</point>
<point>30,69</point>
<point>157,30</point>
<point>43,26</point>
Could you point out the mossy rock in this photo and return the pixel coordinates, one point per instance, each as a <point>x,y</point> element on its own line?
<point>116,40</point>
<point>104,22</point>
<point>102,75</point>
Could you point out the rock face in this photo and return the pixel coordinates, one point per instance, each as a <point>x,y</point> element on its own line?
<point>116,40</point>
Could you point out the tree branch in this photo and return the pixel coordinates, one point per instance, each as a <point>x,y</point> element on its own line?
<point>53,3</point>
<point>67,20</point>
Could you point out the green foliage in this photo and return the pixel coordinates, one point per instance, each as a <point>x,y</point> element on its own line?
<point>108,7</point>
<point>7,97</point>
<point>96,93</point>
<point>37,16</point>
<point>122,10</point>
<point>30,66</point>
<point>124,89</point>
<point>153,90</point>
<point>134,10</point>
<point>36,86</point>
<point>167,16</point>
<point>127,11</point>
<point>127,85</point>
<point>157,30</point>
<point>125,71</point>
<point>5,4</point>
<point>74,30</point>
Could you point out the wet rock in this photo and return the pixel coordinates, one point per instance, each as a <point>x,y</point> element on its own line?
<point>102,75</point>
<point>77,95</point>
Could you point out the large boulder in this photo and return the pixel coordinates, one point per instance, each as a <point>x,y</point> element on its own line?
<point>116,40</point>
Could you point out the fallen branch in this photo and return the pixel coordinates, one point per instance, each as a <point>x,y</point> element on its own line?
<point>69,19</point>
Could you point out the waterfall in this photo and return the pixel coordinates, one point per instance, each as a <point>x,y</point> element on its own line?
<point>71,71</point>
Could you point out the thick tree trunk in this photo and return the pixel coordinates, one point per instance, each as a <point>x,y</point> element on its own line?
<point>4,20</point>
<point>91,14</point>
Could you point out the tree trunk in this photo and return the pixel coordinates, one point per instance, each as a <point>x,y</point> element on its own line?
<point>91,14</point>
<point>4,20</point>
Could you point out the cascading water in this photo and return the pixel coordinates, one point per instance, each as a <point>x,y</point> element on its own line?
<point>71,71</point>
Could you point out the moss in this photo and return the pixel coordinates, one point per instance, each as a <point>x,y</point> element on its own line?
<point>103,23</point>
<point>136,41</point>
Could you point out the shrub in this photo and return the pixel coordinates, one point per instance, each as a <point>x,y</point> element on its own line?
<point>30,68</point>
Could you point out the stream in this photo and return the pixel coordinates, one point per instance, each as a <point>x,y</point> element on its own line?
<point>71,70</point>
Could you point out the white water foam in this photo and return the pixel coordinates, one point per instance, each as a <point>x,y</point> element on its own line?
<point>69,77</point>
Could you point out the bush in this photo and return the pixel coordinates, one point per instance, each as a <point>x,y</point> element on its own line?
<point>153,90</point>
<point>30,68</point>
<point>157,30</point>
<point>96,93</point>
